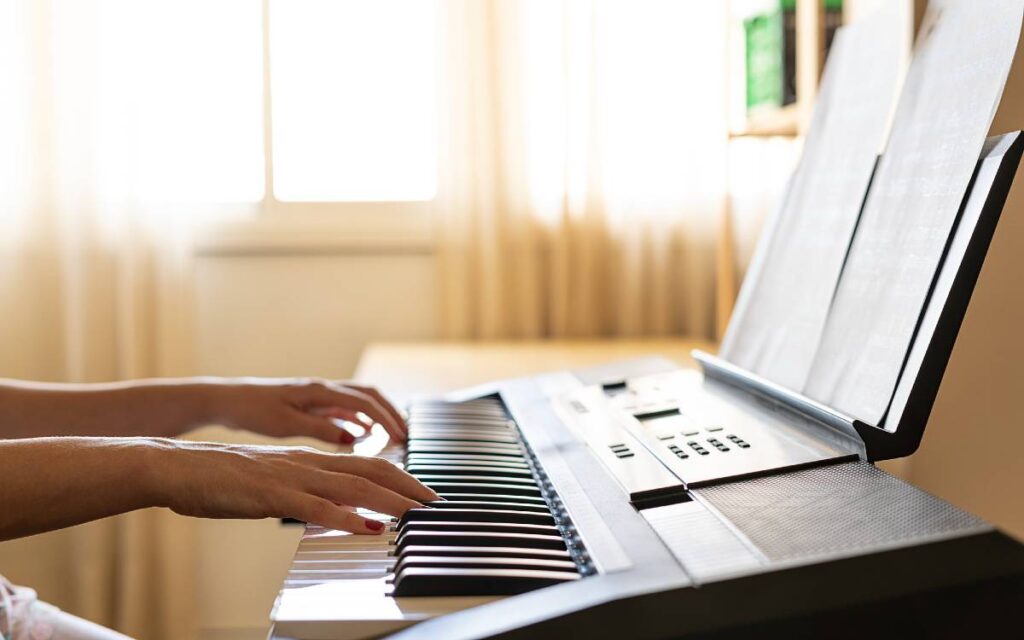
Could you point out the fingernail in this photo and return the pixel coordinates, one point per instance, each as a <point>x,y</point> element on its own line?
<point>373,525</point>
<point>347,438</point>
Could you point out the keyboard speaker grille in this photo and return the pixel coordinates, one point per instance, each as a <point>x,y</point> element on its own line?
<point>836,510</point>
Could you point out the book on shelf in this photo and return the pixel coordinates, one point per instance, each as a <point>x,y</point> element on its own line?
<point>770,41</point>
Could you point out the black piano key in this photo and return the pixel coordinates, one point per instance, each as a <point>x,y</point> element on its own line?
<point>490,417</point>
<point>464,496</point>
<point>520,457</point>
<point>475,515</point>
<point>490,450</point>
<point>496,424</point>
<point>463,428</point>
<point>457,469</point>
<point>478,527</point>
<point>500,440</point>
<point>463,551</point>
<point>489,562</point>
<point>491,461</point>
<point>472,405</point>
<point>473,424</point>
<point>489,506</point>
<point>493,427</point>
<point>475,435</point>
<point>486,429</point>
<point>464,446</point>
<point>440,403</point>
<point>477,539</point>
<point>471,402</point>
<point>427,478</point>
<point>434,436</point>
<point>483,488</point>
<point>470,582</point>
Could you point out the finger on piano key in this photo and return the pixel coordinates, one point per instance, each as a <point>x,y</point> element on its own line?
<point>477,539</point>
<point>475,515</point>
<point>456,582</point>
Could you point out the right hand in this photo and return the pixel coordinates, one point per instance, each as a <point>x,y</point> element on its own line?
<point>210,480</point>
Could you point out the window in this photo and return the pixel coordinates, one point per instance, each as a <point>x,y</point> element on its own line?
<point>353,99</point>
<point>14,107</point>
<point>178,99</point>
<point>231,102</point>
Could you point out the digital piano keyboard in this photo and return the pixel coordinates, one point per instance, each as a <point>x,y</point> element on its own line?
<point>641,500</point>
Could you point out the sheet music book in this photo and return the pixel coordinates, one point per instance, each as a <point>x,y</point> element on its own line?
<point>952,90</point>
<point>781,312</point>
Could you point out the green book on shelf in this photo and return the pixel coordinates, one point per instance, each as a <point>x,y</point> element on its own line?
<point>764,59</point>
<point>771,42</point>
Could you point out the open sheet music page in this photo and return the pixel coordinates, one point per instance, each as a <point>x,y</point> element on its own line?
<point>952,89</point>
<point>781,312</point>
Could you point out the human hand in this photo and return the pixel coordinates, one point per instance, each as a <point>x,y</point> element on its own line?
<point>211,480</point>
<point>303,407</point>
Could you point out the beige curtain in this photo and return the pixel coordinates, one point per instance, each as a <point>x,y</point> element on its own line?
<point>584,175</point>
<point>86,296</point>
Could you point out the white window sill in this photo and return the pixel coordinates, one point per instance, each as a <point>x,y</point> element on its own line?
<point>379,228</point>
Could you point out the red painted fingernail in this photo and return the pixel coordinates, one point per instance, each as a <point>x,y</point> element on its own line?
<point>373,525</point>
<point>347,438</point>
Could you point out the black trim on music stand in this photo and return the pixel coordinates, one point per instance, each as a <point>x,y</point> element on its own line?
<point>880,442</point>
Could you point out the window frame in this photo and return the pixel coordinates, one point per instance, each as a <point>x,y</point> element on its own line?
<point>314,209</point>
<point>278,227</point>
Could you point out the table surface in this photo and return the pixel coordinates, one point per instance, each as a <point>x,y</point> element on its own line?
<point>412,368</point>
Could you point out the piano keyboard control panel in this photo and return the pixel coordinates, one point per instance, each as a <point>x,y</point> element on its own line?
<point>660,435</point>
<point>500,528</point>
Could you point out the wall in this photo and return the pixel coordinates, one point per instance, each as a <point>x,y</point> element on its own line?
<point>308,315</point>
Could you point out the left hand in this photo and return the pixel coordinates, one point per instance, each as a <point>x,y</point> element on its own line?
<point>304,407</point>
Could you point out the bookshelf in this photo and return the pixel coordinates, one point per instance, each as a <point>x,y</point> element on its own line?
<point>792,119</point>
<point>784,121</point>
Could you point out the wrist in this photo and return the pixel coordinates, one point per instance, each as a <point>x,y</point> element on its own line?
<point>194,403</point>
<point>210,401</point>
<point>152,464</point>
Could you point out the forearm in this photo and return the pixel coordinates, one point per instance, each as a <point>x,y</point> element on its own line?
<point>142,407</point>
<point>51,483</point>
